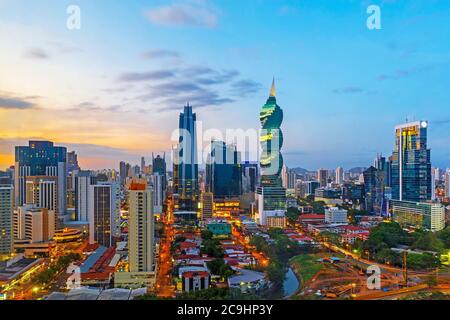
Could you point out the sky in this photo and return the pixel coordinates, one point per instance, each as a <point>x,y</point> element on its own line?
<point>113,89</point>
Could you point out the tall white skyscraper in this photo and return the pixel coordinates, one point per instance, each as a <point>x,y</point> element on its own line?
<point>340,175</point>
<point>140,228</point>
<point>285,176</point>
<point>83,180</point>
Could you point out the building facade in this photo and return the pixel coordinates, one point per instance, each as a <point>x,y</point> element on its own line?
<point>411,163</point>
<point>429,216</point>
<point>141,242</point>
<point>6,219</point>
<point>41,158</point>
<point>271,195</point>
<point>187,166</point>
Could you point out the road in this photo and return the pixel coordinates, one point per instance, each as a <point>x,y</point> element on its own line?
<point>164,286</point>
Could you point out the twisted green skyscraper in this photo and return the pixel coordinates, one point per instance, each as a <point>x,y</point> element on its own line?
<point>271,140</point>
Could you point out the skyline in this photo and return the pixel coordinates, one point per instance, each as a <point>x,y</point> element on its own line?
<point>343,88</point>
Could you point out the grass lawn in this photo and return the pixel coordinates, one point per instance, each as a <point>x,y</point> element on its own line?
<point>307,266</point>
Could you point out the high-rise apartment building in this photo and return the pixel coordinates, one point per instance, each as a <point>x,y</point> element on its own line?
<point>207,205</point>
<point>83,181</point>
<point>447,184</point>
<point>140,228</point>
<point>322,177</point>
<point>340,176</point>
<point>6,219</point>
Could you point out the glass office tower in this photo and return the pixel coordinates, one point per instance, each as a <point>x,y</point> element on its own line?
<point>188,187</point>
<point>223,171</point>
<point>41,158</point>
<point>271,194</point>
<point>411,163</point>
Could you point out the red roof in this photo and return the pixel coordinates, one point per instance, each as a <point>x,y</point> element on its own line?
<point>353,228</point>
<point>311,216</point>
<point>191,274</point>
<point>185,245</point>
<point>136,186</point>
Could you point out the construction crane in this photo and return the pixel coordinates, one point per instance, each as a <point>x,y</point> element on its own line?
<point>405,268</point>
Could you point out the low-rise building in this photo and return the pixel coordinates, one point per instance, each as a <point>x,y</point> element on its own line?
<point>429,216</point>
<point>336,215</point>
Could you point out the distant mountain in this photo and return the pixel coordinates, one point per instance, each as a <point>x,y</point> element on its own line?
<point>299,170</point>
<point>357,170</point>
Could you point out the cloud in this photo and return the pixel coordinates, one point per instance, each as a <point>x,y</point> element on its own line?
<point>348,90</point>
<point>183,15</point>
<point>218,77</point>
<point>16,103</point>
<point>243,88</point>
<point>405,49</point>
<point>398,74</point>
<point>172,95</point>
<point>160,54</point>
<point>145,76</point>
<point>36,53</point>
<point>92,107</point>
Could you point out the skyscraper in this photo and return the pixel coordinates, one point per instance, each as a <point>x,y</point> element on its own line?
<point>374,190</point>
<point>42,191</point>
<point>322,177</point>
<point>6,217</point>
<point>72,162</point>
<point>160,168</point>
<point>340,176</point>
<point>188,186</point>
<point>271,194</point>
<point>223,171</point>
<point>411,163</point>
<point>285,176</point>
<point>100,212</point>
<point>250,176</point>
<point>41,158</point>
<point>447,184</point>
<point>158,193</point>
<point>83,181</point>
<point>381,164</point>
<point>140,228</point>
<point>142,164</point>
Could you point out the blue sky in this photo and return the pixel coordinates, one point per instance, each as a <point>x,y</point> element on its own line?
<point>113,89</point>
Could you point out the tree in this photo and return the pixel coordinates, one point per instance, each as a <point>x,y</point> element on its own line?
<point>207,234</point>
<point>319,207</point>
<point>444,236</point>
<point>429,241</point>
<point>212,248</point>
<point>422,261</point>
<point>292,215</point>
<point>220,268</point>
<point>276,273</point>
